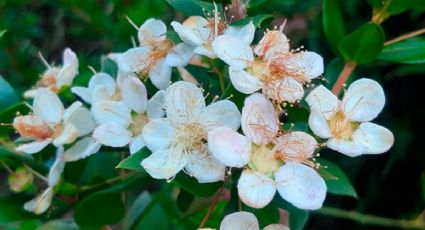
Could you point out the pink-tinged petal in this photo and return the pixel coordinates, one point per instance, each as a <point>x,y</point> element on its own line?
<point>319,125</point>
<point>134,94</point>
<point>240,221</point>
<point>323,101</point>
<point>232,51</point>
<point>363,100</point>
<point>287,89</point>
<point>375,138</point>
<point>221,113</point>
<point>259,120</point>
<point>160,75</point>
<point>113,135</point>
<point>48,106</point>
<point>157,134</point>
<point>205,168</point>
<point>273,43</point>
<point>301,186</point>
<point>33,147</point>
<point>229,147</point>
<point>255,189</point>
<point>243,81</point>
<point>164,164</point>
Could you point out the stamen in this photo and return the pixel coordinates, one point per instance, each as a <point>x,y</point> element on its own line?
<point>40,55</point>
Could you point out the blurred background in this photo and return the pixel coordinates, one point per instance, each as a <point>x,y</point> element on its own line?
<point>390,185</point>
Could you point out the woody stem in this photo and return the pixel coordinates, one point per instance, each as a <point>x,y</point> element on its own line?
<point>211,207</point>
<point>343,77</point>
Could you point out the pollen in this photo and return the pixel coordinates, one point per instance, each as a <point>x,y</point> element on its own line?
<point>341,127</point>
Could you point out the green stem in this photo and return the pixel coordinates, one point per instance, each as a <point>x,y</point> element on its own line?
<point>371,219</point>
<point>222,83</point>
<point>109,181</point>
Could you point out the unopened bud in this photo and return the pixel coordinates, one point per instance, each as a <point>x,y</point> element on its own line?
<point>21,180</point>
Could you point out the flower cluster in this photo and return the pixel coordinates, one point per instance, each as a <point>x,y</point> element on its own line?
<point>186,131</point>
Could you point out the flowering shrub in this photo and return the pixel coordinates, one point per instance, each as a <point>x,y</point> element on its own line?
<point>203,107</point>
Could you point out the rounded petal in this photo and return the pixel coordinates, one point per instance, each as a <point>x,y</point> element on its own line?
<point>363,100</point>
<point>244,33</point>
<point>301,186</point>
<point>66,75</point>
<point>155,105</point>
<point>82,92</point>
<point>102,79</point>
<point>111,112</point>
<point>56,170</point>
<point>41,203</point>
<point>68,135</point>
<point>157,134</point>
<point>205,168</point>
<point>180,55</point>
<point>346,147</point>
<point>276,227</point>
<point>259,119</point>
<point>229,147</point>
<point>69,58</point>
<point>322,101</point>
<point>297,144</point>
<point>221,113</point>
<point>232,51</point>
<point>136,144</point>
<point>206,51</point>
<point>81,149</point>
<point>33,147</point>
<point>255,189</point>
<point>134,94</point>
<point>194,30</point>
<point>164,164</point>
<point>319,125</point>
<point>151,28</point>
<point>243,81</point>
<point>240,221</point>
<point>375,138</point>
<point>134,60</point>
<point>113,135</point>
<point>70,111</point>
<point>48,106</point>
<point>184,101</point>
<point>272,44</point>
<point>310,64</point>
<point>286,89</point>
<point>82,120</point>
<point>160,75</point>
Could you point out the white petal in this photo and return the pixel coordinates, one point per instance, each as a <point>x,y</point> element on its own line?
<point>70,111</point>
<point>151,29</point>
<point>259,120</point>
<point>243,81</point>
<point>244,33</point>
<point>67,136</point>
<point>82,92</point>
<point>33,147</point>
<point>232,51</point>
<point>69,58</point>
<point>229,147</point>
<point>136,144</point>
<point>180,55</point>
<point>276,227</point>
<point>221,113</point>
<point>205,168</point>
<point>101,93</point>
<point>113,135</point>
<point>184,101</point>
<point>155,105</point>
<point>41,203</point>
<point>297,144</point>
<point>56,170</point>
<point>272,44</point>
<point>363,100</point>
<point>81,149</point>
<point>347,147</point>
<point>239,221</point>
<point>206,51</point>
<point>82,120</point>
<point>322,101</point>
<point>194,30</point>
<point>157,134</point>
<point>102,79</point>
<point>134,60</point>
<point>286,89</point>
<point>134,94</point>
<point>48,106</point>
<point>309,64</point>
<point>375,138</point>
<point>255,189</point>
<point>160,75</point>
<point>319,125</point>
<point>111,112</point>
<point>164,164</point>
<point>66,75</point>
<point>301,186</point>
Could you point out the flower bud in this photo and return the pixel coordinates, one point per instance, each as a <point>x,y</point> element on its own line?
<point>21,180</point>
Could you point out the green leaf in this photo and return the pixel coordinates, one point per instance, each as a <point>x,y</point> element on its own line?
<point>184,200</point>
<point>266,216</point>
<point>140,205</point>
<point>155,218</point>
<point>2,32</point>
<point>363,45</point>
<point>298,219</point>
<point>336,180</point>
<point>63,224</point>
<point>254,3</point>
<point>8,95</point>
<point>333,24</point>
<point>257,20</point>
<point>409,52</point>
<point>393,7</point>
<point>191,185</point>
<point>193,7</point>
<point>133,161</point>
<point>11,209</point>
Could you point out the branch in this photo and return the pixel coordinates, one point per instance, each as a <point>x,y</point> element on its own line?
<point>405,36</point>
<point>343,77</point>
<point>211,208</point>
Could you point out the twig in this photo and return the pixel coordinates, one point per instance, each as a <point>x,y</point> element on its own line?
<point>371,219</point>
<point>7,167</point>
<point>211,208</point>
<point>343,77</point>
<point>109,181</point>
<point>405,36</point>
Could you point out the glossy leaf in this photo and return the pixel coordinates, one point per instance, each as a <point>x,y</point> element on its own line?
<point>137,209</point>
<point>363,45</point>
<point>333,23</point>
<point>133,162</point>
<point>257,20</point>
<point>298,219</point>
<point>336,180</point>
<point>409,52</point>
<point>184,200</point>
<point>254,3</point>
<point>8,95</point>
<point>193,7</point>
<point>11,209</point>
<point>155,218</point>
<point>191,185</point>
<point>393,7</point>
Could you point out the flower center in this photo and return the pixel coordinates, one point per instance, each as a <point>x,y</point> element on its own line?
<point>341,127</point>
<point>160,47</point>
<point>48,79</point>
<point>191,136</point>
<point>263,160</point>
<point>139,121</point>
<point>33,127</point>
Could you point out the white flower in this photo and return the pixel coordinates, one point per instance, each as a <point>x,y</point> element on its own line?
<point>272,161</point>
<point>245,221</point>
<point>201,32</point>
<point>271,66</point>
<point>156,55</point>
<point>51,123</point>
<point>179,141</point>
<point>55,77</point>
<point>346,123</point>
